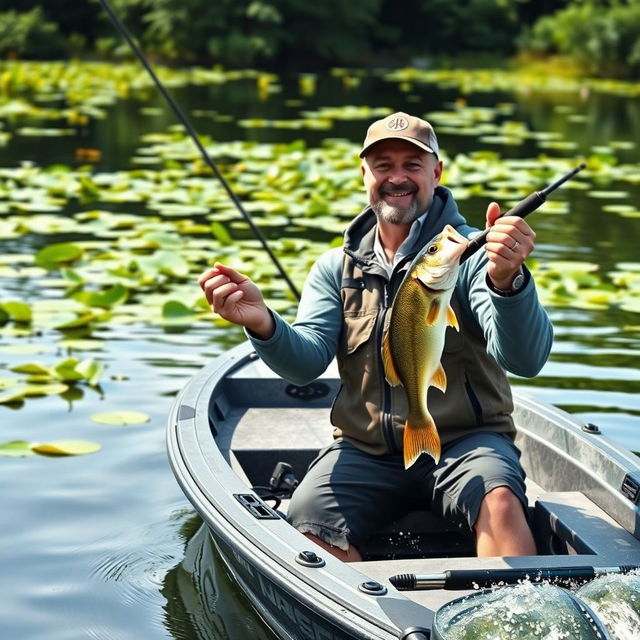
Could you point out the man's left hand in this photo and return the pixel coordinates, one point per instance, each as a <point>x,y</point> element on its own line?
<point>509,242</point>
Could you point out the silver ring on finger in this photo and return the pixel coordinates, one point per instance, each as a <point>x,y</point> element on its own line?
<point>515,246</point>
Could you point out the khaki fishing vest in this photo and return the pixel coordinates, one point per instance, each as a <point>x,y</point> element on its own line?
<point>370,413</point>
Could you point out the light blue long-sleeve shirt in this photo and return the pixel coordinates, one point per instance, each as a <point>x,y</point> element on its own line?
<point>517,329</point>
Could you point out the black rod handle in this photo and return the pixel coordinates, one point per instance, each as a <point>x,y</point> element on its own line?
<point>562,576</point>
<point>455,579</point>
<point>522,209</point>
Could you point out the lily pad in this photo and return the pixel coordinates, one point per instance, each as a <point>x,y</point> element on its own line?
<point>120,418</point>
<point>16,449</point>
<point>59,254</point>
<point>65,448</point>
<point>17,311</point>
<point>174,312</point>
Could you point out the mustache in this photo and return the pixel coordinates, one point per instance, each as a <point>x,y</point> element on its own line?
<point>397,188</point>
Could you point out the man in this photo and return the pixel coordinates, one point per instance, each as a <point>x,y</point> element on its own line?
<point>359,483</point>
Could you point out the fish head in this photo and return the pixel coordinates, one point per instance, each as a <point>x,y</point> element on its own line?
<point>438,264</point>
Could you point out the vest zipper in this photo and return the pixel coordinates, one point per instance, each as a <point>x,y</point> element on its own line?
<point>473,399</point>
<point>385,418</point>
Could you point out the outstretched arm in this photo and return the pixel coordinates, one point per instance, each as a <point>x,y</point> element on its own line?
<point>237,299</point>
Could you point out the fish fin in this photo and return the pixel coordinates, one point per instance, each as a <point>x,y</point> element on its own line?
<point>390,371</point>
<point>452,321</point>
<point>432,312</point>
<point>419,439</point>
<point>439,380</point>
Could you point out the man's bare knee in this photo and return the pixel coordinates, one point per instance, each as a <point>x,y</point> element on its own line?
<point>350,555</point>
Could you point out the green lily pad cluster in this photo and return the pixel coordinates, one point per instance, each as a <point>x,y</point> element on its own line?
<point>38,379</point>
<point>580,285</point>
<point>525,79</point>
<point>109,248</point>
<point>141,268</point>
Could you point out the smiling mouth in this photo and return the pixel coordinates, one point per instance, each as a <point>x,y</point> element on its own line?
<point>397,194</point>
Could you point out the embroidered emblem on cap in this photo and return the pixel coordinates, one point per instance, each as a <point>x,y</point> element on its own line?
<point>397,123</point>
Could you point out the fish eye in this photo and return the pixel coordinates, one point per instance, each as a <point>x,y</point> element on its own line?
<point>433,248</point>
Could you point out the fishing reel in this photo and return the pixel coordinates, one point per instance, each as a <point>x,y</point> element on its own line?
<point>283,480</point>
<point>282,484</point>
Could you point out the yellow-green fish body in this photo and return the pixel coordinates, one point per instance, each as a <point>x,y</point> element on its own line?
<point>413,342</point>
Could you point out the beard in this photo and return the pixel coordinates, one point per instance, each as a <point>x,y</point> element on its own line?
<point>395,214</point>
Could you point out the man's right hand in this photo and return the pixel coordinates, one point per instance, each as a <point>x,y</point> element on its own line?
<point>237,299</point>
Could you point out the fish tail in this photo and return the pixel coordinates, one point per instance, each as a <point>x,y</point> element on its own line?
<point>419,438</point>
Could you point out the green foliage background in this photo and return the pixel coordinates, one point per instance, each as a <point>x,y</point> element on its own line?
<point>602,36</point>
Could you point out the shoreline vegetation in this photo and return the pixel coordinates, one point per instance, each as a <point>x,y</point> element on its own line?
<point>596,38</point>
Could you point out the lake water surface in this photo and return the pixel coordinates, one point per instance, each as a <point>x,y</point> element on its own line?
<point>91,546</point>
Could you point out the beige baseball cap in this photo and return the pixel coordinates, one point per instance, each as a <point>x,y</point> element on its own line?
<point>401,126</point>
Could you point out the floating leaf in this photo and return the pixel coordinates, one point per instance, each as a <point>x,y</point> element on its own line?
<point>36,368</point>
<point>17,311</point>
<point>56,255</point>
<point>66,370</point>
<point>221,234</point>
<point>16,449</point>
<point>174,311</point>
<point>120,418</point>
<point>91,370</point>
<point>13,395</point>
<point>52,389</point>
<point>106,299</point>
<point>65,447</point>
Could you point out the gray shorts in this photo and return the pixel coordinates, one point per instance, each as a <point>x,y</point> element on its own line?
<point>348,494</point>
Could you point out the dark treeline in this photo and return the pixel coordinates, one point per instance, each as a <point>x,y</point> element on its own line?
<point>603,36</point>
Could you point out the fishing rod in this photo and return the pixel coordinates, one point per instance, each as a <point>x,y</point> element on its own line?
<point>194,136</point>
<point>522,209</point>
<point>473,578</point>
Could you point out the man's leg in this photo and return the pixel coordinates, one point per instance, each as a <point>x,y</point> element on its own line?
<point>480,479</point>
<point>350,555</point>
<point>502,528</point>
<point>345,495</point>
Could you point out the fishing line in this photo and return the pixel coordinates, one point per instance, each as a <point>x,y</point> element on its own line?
<point>194,136</point>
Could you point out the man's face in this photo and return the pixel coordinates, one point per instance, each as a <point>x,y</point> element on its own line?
<point>400,178</point>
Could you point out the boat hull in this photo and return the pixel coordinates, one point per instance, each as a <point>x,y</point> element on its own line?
<point>236,418</point>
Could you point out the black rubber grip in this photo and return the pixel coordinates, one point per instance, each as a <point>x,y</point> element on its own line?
<point>404,581</point>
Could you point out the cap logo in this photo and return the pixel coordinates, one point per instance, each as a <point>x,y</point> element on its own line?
<point>397,124</point>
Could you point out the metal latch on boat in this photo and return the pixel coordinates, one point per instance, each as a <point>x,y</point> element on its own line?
<point>631,488</point>
<point>256,507</point>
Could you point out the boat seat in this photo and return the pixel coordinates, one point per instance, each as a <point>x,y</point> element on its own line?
<point>301,433</point>
<point>568,522</point>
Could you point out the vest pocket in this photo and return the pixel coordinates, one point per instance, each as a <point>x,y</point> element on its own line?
<point>358,328</point>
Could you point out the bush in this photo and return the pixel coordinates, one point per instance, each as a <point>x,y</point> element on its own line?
<point>29,35</point>
<point>605,39</point>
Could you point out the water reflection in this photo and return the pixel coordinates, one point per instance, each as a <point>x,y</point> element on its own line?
<point>203,602</point>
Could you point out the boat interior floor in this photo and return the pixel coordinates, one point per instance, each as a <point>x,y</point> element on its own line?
<point>565,523</point>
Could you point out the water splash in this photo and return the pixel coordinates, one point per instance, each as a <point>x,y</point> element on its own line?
<point>616,601</point>
<point>524,611</point>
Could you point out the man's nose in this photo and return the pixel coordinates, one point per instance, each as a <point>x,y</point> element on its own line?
<point>397,175</point>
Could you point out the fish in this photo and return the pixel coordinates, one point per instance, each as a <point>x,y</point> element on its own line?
<point>413,341</point>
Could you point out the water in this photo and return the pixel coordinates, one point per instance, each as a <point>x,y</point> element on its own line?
<point>92,546</point>
<point>616,601</point>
